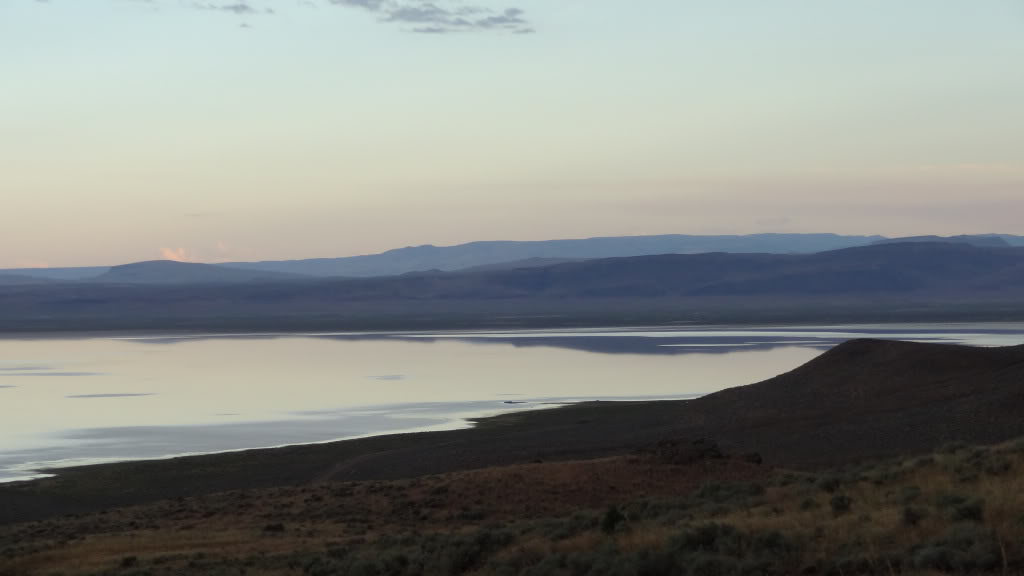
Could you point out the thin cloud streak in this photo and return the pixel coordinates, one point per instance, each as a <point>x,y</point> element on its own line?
<point>239,8</point>
<point>417,16</point>
<point>443,18</point>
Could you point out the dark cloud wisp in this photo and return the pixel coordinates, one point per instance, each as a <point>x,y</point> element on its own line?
<point>239,8</point>
<point>433,16</point>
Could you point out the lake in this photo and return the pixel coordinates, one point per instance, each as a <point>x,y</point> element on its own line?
<point>68,401</point>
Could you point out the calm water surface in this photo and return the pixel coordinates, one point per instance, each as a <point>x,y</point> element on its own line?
<point>80,400</point>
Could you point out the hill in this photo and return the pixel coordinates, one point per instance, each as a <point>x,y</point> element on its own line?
<point>1011,239</point>
<point>983,240</point>
<point>171,272</point>
<point>474,254</point>
<point>20,280</point>
<point>515,264</point>
<point>67,274</point>
<point>867,399</point>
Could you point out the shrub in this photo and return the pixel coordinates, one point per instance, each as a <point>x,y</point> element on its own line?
<point>997,466</point>
<point>854,564</point>
<point>970,511</point>
<point>712,549</point>
<point>611,520</point>
<point>718,538</point>
<point>723,493</point>
<point>841,504</point>
<point>712,565</point>
<point>950,500</point>
<point>578,523</point>
<point>829,484</point>
<point>952,447</point>
<point>910,494</point>
<point>924,462</point>
<point>785,479</point>
<point>913,516</point>
<point>963,548</point>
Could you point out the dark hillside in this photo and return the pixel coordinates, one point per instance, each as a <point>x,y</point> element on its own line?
<point>871,398</point>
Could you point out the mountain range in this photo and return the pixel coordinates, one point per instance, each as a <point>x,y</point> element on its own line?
<point>918,280</point>
<point>171,272</point>
<point>479,256</point>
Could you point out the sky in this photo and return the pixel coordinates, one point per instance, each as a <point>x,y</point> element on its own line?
<point>225,130</point>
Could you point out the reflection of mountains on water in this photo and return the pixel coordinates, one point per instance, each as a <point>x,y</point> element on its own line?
<point>596,344</point>
<point>639,345</point>
<point>657,342</point>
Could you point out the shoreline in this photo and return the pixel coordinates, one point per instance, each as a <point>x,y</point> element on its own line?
<point>50,469</point>
<point>660,314</point>
<point>569,330</point>
<point>457,420</point>
<point>513,437</point>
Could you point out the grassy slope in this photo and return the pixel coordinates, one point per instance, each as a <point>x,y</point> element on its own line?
<point>958,511</point>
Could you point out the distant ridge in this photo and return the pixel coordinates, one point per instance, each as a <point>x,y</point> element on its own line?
<point>912,281</point>
<point>476,254</point>
<point>20,279</point>
<point>499,255</point>
<point>170,272</point>
<point>516,264</point>
<point>69,274</point>
<point>981,240</point>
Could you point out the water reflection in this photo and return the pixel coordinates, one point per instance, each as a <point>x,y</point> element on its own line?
<point>676,341</point>
<point>644,345</point>
<point>138,397</point>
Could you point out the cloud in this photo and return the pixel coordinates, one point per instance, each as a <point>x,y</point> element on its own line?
<point>419,16</point>
<point>374,5</point>
<point>445,17</point>
<point>176,254</point>
<point>239,8</point>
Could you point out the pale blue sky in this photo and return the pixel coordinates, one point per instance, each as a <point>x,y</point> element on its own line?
<point>129,127</point>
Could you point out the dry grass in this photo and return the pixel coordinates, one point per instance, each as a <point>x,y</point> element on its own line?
<point>875,526</point>
<point>234,525</point>
<point>517,519</point>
